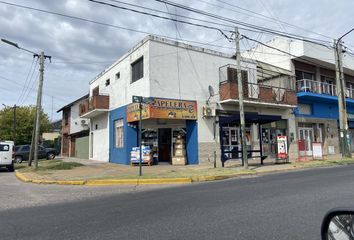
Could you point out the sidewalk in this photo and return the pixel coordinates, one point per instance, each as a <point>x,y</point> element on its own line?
<point>98,173</point>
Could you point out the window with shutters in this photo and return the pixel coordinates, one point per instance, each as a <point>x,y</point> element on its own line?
<point>232,75</point>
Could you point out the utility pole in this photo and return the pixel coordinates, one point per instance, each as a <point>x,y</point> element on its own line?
<point>30,158</point>
<point>38,108</point>
<point>14,127</point>
<point>340,83</point>
<point>240,98</point>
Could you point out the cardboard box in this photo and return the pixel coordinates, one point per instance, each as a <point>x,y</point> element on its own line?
<point>180,153</point>
<point>179,141</point>
<point>179,146</point>
<point>179,161</point>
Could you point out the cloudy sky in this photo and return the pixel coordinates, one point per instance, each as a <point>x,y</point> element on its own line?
<point>81,49</point>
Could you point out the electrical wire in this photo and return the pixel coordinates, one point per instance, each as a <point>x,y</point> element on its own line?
<point>262,16</point>
<point>275,32</point>
<point>26,80</point>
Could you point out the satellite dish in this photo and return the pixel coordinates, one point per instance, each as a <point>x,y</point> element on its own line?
<point>211,91</point>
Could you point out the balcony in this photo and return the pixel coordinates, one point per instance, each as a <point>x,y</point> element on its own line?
<point>258,94</point>
<point>94,106</point>
<point>309,89</point>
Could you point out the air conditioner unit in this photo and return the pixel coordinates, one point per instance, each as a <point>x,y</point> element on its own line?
<point>209,112</point>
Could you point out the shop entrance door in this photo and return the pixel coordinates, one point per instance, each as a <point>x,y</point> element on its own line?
<point>164,144</point>
<point>307,135</point>
<point>231,141</point>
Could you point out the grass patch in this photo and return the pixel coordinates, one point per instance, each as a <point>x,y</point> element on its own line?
<point>49,165</point>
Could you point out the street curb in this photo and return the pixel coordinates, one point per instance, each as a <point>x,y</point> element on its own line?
<point>149,181</point>
<point>105,182</point>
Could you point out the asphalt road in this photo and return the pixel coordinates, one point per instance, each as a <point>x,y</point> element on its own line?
<point>278,206</point>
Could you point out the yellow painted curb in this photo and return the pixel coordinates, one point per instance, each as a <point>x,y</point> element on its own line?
<point>22,177</point>
<point>164,181</point>
<point>73,182</point>
<point>105,182</point>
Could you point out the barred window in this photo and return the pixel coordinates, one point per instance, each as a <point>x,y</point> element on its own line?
<point>119,136</point>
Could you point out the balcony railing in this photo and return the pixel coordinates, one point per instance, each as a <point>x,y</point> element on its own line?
<point>98,102</point>
<point>306,85</point>
<point>258,93</point>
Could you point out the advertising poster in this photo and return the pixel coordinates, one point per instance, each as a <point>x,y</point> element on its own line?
<point>282,147</point>
<point>317,150</point>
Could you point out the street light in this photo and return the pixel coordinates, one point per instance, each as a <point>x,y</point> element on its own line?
<point>16,46</point>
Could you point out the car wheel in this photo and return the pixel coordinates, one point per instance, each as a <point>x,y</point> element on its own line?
<point>18,159</point>
<point>50,156</point>
<point>11,168</point>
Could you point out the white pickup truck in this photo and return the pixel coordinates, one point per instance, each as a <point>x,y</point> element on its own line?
<point>7,155</point>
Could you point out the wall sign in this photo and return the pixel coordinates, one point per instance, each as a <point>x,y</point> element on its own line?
<point>161,108</point>
<point>317,150</point>
<point>282,147</point>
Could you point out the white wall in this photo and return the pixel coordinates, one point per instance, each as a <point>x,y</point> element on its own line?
<point>189,77</point>
<point>100,138</point>
<point>75,119</point>
<point>121,90</point>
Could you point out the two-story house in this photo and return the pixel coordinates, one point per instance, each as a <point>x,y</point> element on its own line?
<point>74,130</point>
<point>177,78</point>
<point>313,65</point>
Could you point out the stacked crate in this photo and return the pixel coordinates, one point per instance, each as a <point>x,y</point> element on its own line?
<point>180,153</point>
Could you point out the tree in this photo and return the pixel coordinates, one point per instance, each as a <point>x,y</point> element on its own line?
<point>24,123</point>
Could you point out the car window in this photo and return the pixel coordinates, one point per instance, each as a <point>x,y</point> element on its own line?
<point>17,148</point>
<point>41,148</point>
<point>25,148</point>
<point>4,147</point>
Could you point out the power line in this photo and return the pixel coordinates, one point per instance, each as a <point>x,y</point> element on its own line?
<point>27,82</point>
<point>266,30</point>
<point>103,24</point>
<point>254,14</point>
<point>162,17</point>
<point>24,85</point>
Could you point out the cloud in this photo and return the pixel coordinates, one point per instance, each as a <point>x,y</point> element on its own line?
<point>80,49</point>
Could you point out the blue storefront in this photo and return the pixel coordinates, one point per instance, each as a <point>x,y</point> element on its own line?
<point>158,133</point>
<point>320,112</point>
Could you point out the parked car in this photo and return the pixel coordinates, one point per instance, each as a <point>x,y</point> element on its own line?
<point>7,155</point>
<point>22,153</point>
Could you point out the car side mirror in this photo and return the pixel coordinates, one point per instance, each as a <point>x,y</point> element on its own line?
<point>338,224</point>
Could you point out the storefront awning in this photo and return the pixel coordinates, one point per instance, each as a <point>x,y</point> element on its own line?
<point>250,117</point>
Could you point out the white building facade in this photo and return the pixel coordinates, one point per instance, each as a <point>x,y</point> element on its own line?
<point>176,78</point>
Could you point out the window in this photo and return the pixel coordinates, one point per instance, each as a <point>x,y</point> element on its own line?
<point>25,148</point>
<point>137,69</point>
<point>118,128</point>
<point>305,109</point>
<point>117,75</point>
<point>232,75</point>
<point>4,148</point>
<point>304,75</point>
<point>108,81</point>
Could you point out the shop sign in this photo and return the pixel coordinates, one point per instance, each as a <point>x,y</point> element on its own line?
<point>317,150</point>
<point>282,147</point>
<point>133,112</point>
<point>173,109</point>
<point>161,108</point>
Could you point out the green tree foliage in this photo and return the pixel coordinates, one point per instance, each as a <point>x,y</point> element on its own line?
<point>24,127</point>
